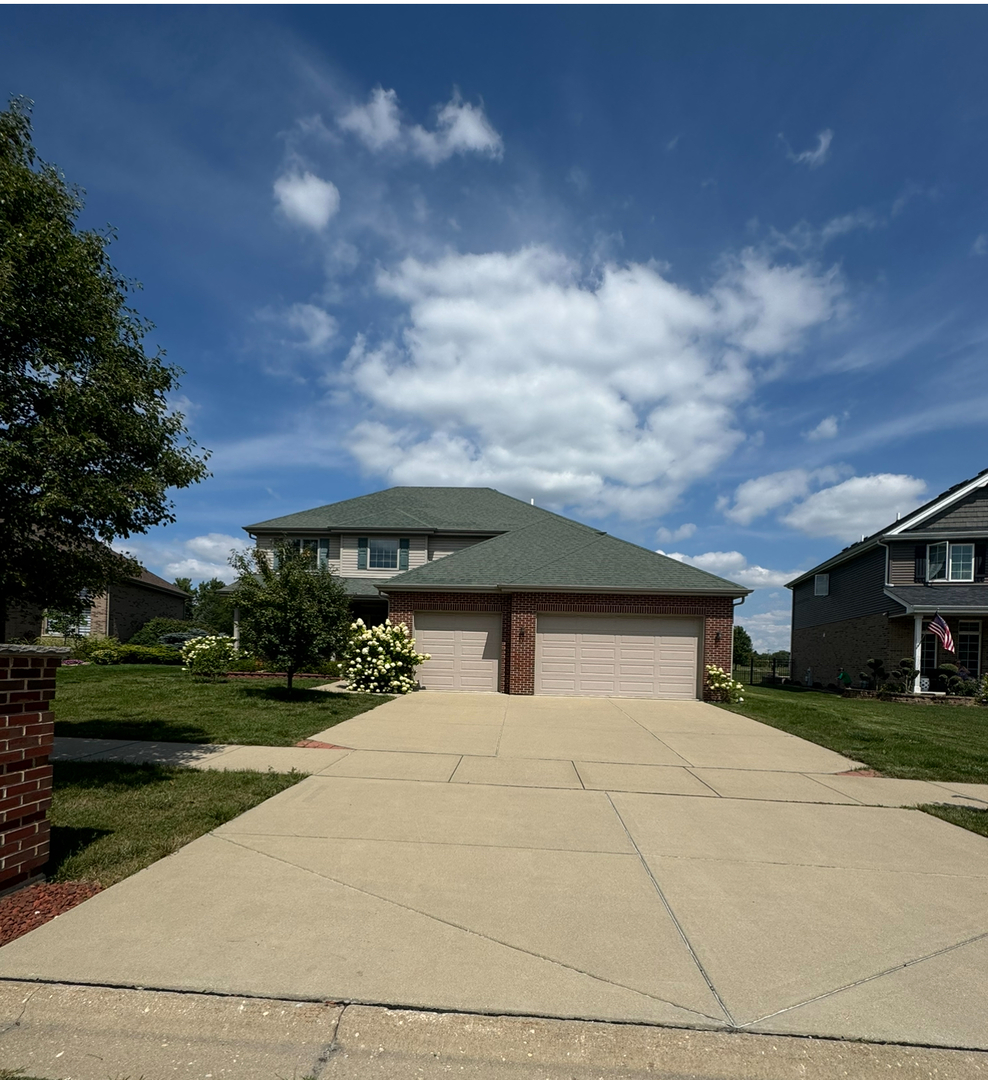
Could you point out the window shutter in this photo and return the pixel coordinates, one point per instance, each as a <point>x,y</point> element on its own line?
<point>920,572</point>
<point>402,554</point>
<point>361,552</point>
<point>980,549</point>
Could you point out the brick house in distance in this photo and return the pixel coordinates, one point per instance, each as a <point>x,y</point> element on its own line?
<point>507,597</point>
<point>120,612</point>
<point>875,598</point>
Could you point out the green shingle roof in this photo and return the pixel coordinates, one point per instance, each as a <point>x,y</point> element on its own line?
<point>536,548</point>
<point>447,509</point>
<point>559,554</point>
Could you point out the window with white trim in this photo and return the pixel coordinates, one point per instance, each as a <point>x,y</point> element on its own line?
<point>57,624</point>
<point>821,584</point>
<point>949,562</point>
<point>969,646</point>
<point>928,653</point>
<point>382,554</point>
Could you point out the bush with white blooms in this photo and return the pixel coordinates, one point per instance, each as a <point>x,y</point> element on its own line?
<point>381,659</point>
<point>723,687</point>
<point>208,657</point>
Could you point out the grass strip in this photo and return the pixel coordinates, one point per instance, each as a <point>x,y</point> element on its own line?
<point>974,819</point>
<point>110,820</point>
<point>154,702</point>
<point>915,742</point>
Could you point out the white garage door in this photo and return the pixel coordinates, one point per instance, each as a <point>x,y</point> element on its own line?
<point>465,650</point>
<point>617,656</point>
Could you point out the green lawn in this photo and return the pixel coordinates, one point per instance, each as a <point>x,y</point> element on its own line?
<point>917,742</point>
<point>110,820</point>
<point>147,701</point>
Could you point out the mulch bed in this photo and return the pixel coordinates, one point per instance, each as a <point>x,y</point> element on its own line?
<point>276,675</point>
<point>33,906</point>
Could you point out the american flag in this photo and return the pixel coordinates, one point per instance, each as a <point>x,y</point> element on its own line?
<point>942,630</point>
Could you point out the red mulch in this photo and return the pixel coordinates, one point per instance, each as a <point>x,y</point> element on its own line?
<point>33,906</point>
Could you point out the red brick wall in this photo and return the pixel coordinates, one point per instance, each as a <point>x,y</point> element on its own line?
<point>27,687</point>
<point>520,610</point>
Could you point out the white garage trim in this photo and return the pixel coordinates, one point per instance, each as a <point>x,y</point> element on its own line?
<point>618,656</point>
<point>465,647</point>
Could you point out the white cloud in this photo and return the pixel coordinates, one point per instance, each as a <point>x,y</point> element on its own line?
<point>461,128</point>
<point>816,156</point>
<point>980,245</point>
<point>673,536</point>
<point>826,429</point>
<point>612,395</point>
<point>755,498</point>
<point>769,630</point>
<point>378,123</point>
<point>856,507</point>
<point>199,558</point>
<point>316,326</point>
<point>735,567</point>
<point>306,199</point>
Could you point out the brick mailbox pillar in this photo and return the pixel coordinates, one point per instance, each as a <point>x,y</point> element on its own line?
<point>27,688</point>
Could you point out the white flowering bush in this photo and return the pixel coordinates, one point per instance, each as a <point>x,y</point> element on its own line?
<point>723,687</point>
<point>208,657</point>
<point>381,659</point>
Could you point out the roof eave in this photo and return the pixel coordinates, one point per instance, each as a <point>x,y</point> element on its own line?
<point>526,587</point>
<point>836,560</point>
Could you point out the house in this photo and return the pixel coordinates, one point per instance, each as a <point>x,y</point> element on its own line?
<point>508,597</point>
<point>120,612</point>
<point>875,598</point>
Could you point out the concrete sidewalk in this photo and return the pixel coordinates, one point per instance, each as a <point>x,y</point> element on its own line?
<point>636,861</point>
<point>93,1033</point>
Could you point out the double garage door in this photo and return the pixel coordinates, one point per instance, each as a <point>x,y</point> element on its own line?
<point>575,655</point>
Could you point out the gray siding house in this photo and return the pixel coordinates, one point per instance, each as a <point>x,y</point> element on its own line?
<point>875,598</point>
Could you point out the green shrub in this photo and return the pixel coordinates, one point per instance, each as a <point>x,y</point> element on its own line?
<point>110,651</point>
<point>208,657</point>
<point>151,632</point>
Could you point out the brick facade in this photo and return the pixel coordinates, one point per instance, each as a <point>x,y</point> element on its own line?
<point>848,644</point>
<point>519,612</point>
<point>27,688</point>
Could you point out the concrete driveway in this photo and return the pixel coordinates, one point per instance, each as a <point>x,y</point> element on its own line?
<point>649,861</point>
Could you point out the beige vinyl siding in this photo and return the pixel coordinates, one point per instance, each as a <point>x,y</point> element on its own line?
<point>269,542</point>
<point>440,546</point>
<point>417,556</point>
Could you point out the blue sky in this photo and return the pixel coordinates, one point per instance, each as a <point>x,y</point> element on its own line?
<point>710,278</point>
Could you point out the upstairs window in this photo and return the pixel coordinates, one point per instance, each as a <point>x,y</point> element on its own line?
<point>950,562</point>
<point>382,554</point>
<point>821,584</point>
<point>936,561</point>
<point>962,562</point>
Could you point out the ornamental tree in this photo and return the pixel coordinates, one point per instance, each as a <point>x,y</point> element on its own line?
<point>89,446</point>
<point>292,611</point>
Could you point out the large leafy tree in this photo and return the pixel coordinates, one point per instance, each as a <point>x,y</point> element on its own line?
<point>292,612</point>
<point>742,646</point>
<point>89,447</point>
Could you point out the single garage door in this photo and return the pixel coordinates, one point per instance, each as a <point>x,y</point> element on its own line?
<point>465,650</point>
<point>617,656</point>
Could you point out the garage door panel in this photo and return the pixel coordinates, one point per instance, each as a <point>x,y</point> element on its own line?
<point>622,656</point>
<point>465,650</point>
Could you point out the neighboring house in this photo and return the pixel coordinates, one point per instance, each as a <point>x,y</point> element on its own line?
<point>120,612</point>
<point>508,597</point>
<point>875,599</point>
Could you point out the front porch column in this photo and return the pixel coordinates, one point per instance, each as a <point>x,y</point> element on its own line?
<point>917,648</point>
<point>236,629</point>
